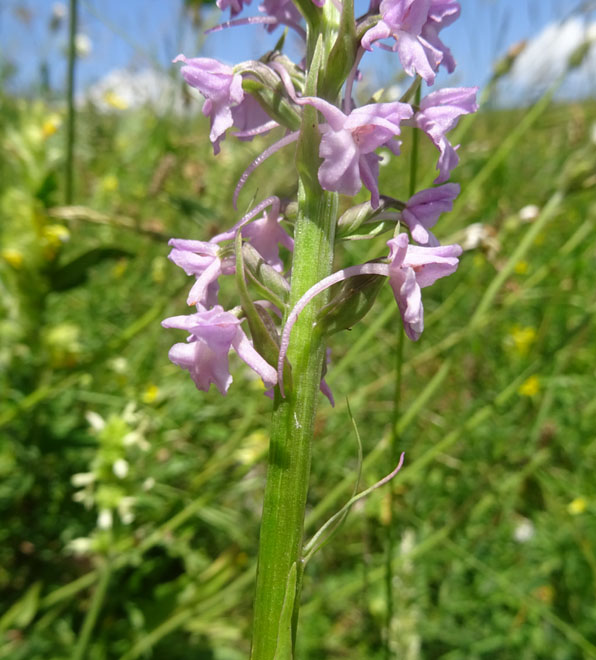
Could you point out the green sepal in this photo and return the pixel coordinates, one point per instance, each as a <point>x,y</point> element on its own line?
<point>272,285</point>
<point>312,14</point>
<point>307,153</point>
<point>274,103</point>
<point>281,41</point>
<point>355,217</point>
<point>265,337</point>
<point>262,339</point>
<point>365,25</point>
<point>350,304</point>
<point>342,56</point>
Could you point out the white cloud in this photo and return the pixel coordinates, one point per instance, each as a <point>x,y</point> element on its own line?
<point>546,56</point>
<point>122,89</point>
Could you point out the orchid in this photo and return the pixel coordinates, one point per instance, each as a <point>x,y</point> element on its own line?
<point>284,11</point>
<point>423,209</point>
<point>439,113</point>
<point>348,144</point>
<point>222,89</point>
<point>250,119</point>
<point>213,333</point>
<point>235,6</point>
<point>204,260</point>
<point>412,268</point>
<point>404,20</point>
<point>441,14</point>
<point>266,234</point>
<point>285,296</point>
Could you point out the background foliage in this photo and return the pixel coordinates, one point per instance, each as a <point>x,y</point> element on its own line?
<point>130,501</point>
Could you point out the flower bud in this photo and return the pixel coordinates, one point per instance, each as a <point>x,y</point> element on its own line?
<point>351,304</point>
<point>266,87</point>
<point>265,275</point>
<point>356,216</point>
<point>578,171</point>
<point>343,54</point>
<point>505,64</point>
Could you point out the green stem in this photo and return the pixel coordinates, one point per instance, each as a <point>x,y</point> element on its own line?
<point>288,470</point>
<point>93,612</point>
<point>292,427</point>
<point>70,130</point>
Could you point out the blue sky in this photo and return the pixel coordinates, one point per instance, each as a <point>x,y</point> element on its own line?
<point>145,33</point>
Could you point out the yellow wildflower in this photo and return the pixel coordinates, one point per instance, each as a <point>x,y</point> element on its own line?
<point>521,267</point>
<point>577,506</point>
<point>252,449</point>
<point>119,268</point>
<point>522,338</point>
<point>54,236</point>
<point>530,387</point>
<point>109,183</point>
<point>151,393</point>
<point>50,125</point>
<point>115,101</point>
<point>12,257</point>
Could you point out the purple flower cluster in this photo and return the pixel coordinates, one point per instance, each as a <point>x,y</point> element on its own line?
<point>350,138</point>
<point>414,25</point>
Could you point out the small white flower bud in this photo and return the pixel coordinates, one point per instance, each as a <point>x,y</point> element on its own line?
<point>120,468</point>
<point>80,546</point>
<point>105,520</point>
<point>524,531</point>
<point>148,483</point>
<point>95,420</point>
<point>82,479</point>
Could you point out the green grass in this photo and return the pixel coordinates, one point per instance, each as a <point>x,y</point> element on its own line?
<point>498,400</point>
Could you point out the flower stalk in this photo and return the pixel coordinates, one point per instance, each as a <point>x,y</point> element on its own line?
<point>280,545</point>
<point>300,302</point>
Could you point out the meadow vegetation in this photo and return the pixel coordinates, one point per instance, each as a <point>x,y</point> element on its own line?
<point>130,501</point>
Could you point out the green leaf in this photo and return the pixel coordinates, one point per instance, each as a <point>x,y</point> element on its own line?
<point>343,54</point>
<point>22,612</point>
<point>284,649</point>
<point>76,271</point>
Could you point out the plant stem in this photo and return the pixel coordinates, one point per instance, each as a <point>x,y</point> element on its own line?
<point>93,612</point>
<point>288,470</point>
<point>70,129</point>
<point>292,426</point>
<point>395,433</point>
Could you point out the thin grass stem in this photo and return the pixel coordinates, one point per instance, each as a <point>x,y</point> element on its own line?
<point>71,118</point>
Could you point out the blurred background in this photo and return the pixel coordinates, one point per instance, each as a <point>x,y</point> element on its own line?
<point>130,502</point>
